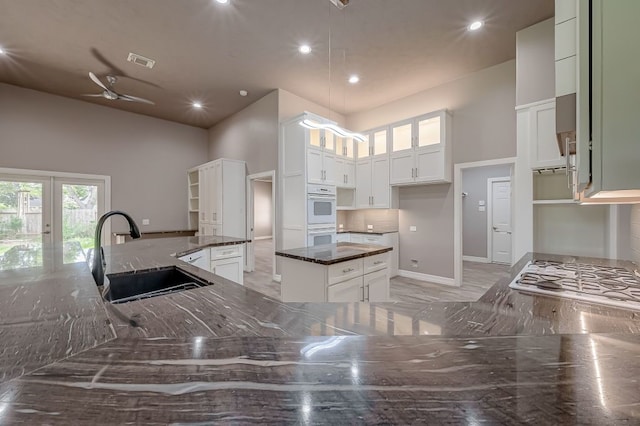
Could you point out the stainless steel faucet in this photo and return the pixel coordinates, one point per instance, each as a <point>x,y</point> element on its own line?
<point>97,268</point>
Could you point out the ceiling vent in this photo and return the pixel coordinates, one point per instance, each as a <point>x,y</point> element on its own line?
<point>141,60</point>
<point>340,4</point>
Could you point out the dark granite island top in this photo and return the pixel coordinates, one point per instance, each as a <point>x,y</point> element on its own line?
<point>225,353</point>
<point>329,254</point>
<point>380,231</point>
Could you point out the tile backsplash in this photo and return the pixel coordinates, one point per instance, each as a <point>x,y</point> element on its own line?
<point>635,233</point>
<point>380,219</point>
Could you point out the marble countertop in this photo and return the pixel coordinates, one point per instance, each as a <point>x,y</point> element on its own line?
<point>225,353</point>
<point>329,254</point>
<point>366,231</point>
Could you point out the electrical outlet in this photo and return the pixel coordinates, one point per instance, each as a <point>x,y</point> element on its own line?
<point>341,226</point>
<point>145,221</point>
<point>413,228</point>
<point>414,263</point>
<point>482,208</point>
<point>369,226</point>
<point>481,203</point>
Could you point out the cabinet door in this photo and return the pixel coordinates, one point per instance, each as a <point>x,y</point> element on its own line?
<point>341,180</point>
<point>376,286</point>
<point>329,166</point>
<point>429,130</point>
<point>363,149</point>
<point>348,291</point>
<point>357,238</point>
<point>363,184</point>
<point>329,141</point>
<point>379,141</point>
<point>543,143</point>
<point>230,269</point>
<point>343,238</point>
<point>349,170</point>
<point>402,168</point>
<point>216,193</point>
<point>402,136</point>
<point>429,164</point>
<point>315,138</point>
<point>315,172</point>
<point>380,189</point>
<point>349,150</point>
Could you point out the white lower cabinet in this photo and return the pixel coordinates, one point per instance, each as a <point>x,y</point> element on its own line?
<point>388,239</point>
<point>358,280</point>
<point>230,269</point>
<point>224,261</point>
<point>348,291</point>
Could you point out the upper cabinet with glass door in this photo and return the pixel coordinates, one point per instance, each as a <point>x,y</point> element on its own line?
<point>375,143</point>
<point>421,149</point>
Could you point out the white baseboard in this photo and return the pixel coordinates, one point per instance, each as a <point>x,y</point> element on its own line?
<point>277,278</point>
<point>426,277</point>
<point>476,259</point>
<point>262,238</point>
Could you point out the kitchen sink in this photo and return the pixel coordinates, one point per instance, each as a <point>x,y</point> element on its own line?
<point>130,286</point>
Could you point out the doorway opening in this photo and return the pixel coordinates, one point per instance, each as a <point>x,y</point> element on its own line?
<point>40,209</point>
<point>261,228</point>
<point>483,221</point>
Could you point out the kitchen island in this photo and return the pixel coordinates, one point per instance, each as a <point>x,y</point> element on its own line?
<point>342,272</point>
<point>225,353</point>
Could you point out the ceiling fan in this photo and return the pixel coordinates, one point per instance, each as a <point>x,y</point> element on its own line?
<point>110,93</point>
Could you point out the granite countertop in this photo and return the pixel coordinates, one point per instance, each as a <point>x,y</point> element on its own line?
<point>367,231</point>
<point>329,254</point>
<point>225,353</point>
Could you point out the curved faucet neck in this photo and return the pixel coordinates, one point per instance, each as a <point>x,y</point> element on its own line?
<point>97,267</point>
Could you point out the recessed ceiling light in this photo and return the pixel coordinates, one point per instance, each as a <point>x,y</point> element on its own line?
<point>2,51</point>
<point>305,49</point>
<point>197,105</point>
<point>354,79</point>
<point>243,93</point>
<point>223,1</point>
<point>475,25</point>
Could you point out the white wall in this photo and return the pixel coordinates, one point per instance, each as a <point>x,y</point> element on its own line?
<point>290,105</point>
<point>635,233</point>
<point>484,128</point>
<point>250,135</point>
<point>262,209</point>
<point>147,158</point>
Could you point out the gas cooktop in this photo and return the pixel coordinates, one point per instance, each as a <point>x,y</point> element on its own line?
<point>605,285</point>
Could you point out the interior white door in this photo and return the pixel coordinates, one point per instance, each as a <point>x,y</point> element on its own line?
<point>500,221</point>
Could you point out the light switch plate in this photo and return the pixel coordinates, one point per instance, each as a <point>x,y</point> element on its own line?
<point>481,208</point>
<point>145,221</point>
<point>413,228</point>
<point>481,203</point>
<point>369,226</point>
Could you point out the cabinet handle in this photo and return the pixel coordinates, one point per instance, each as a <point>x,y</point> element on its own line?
<point>362,299</point>
<point>378,262</point>
<point>416,172</point>
<point>373,200</point>
<point>194,260</point>
<point>368,293</point>
<point>345,271</point>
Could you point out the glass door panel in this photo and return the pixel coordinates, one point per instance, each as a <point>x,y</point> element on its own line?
<point>79,218</point>
<point>78,204</point>
<point>329,140</point>
<point>349,153</point>
<point>24,224</point>
<point>402,137</point>
<point>380,142</point>
<point>314,137</point>
<point>429,131</point>
<point>363,148</point>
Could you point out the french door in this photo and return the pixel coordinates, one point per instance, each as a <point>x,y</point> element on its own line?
<point>38,211</point>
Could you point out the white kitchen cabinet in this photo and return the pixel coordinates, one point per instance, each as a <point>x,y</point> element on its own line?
<point>376,286</point>
<point>221,198</point>
<point>199,259</point>
<point>347,291</point>
<point>421,150</point>
<point>609,75</point>
<point>387,239</point>
<point>321,166</point>
<point>372,184</point>
<point>345,172</point>
<point>542,139</point>
<point>193,182</point>
<point>343,237</point>
<point>376,143</point>
<point>231,269</point>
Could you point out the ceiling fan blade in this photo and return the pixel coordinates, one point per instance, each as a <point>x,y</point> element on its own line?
<point>94,95</point>
<point>97,81</point>
<point>135,99</point>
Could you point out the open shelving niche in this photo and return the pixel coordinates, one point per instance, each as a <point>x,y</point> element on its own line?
<point>193,181</point>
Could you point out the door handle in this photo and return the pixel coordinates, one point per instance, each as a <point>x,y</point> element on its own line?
<point>495,228</point>
<point>46,232</point>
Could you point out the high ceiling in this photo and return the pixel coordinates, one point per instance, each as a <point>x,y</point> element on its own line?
<point>208,51</point>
